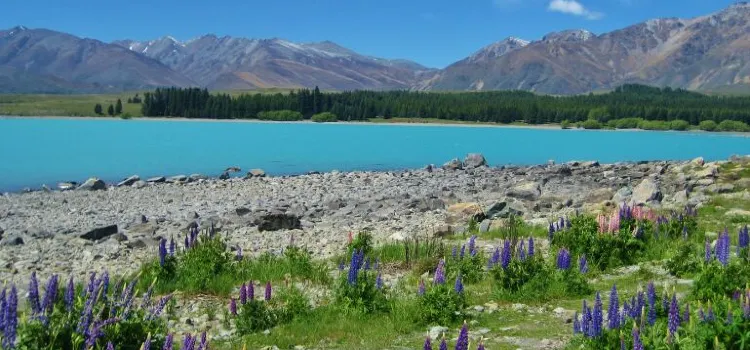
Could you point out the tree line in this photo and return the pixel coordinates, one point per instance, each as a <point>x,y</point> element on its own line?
<point>112,110</point>
<point>627,101</point>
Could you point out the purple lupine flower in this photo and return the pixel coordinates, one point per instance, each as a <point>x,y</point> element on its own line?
<point>701,314</point>
<point>576,324</point>
<point>172,246</point>
<point>50,295</point>
<point>69,294</point>
<point>427,343</point>
<point>168,342</point>
<point>722,248</point>
<point>110,346</point>
<point>459,286</point>
<point>91,287</point>
<point>495,258</point>
<point>743,240</point>
<point>614,309</point>
<point>472,245</point>
<point>710,315</point>
<point>341,265</point>
<point>187,342</point>
<point>3,303</point>
<point>354,268</point>
<point>561,224</point>
<point>34,294</point>
<point>506,254</point>
<point>454,252</point>
<point>531,246</point>
<point>522,251</point>
<point>367,264</point>
<point>146,300</point>
<point>159,308</point>
<point>443,344</point>
<point>665,302</point>
<point>686,314</point>
<point>637,344</point>
<point>187,242</point>
<point>147,344</point>
<point>462,343</point>
<point>250,290</point>
<point>86,315</point>
<point>583,264</point>
<point>481,345</point>
<point>243,294</point>
<point>204,341</point>
<point>440,272</point>
<point>626,312</point>
<point>563,259</point>
<point>420,288</point>
<point>96,331</point>
<point>673,317</point>
<point>586,322</point>
<point>597,316</point>
<point>104,285</point>
<point>463,251</point>
<point>376,264</point>
<point>551,232</point>
<point>379,281</point>
<point>233,307</point>
<point>268,291</point>
<point>10,319</point>
<point>162,251</point>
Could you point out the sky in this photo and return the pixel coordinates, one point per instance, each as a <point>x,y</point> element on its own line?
<point>434,33</point>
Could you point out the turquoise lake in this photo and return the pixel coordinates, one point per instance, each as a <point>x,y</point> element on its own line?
<point>38,151</point>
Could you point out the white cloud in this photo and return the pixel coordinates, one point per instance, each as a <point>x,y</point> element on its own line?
<point>573,7</point>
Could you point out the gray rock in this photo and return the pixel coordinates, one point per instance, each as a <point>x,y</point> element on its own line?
<point>93,184</point>
<point>528,190</point>
<point>12,239</point>
<point>2,231</point>
<point>427,204</point>
<point>680,197</point>
<point>720,188</point>
<point>453,164</point>
<point>196,177</point>
<point>256,173</point>
<point>277,220</point>
<point>242,211</point>
<point>429,168</point>
<point>484,227</point>
<point>474,160</point>
<point>66,186</point>
<point>437,331</point>
<point>157,179</point>
<point>698,161</point>
<point>224,176</point>
<point>129,181</point>
<point>646,191</point>
<point>622,195</point>
<point>140,184</point>
<point>232,169</point>
<point>99,233</point>
<point>178,179</point>
<point>504,209</point>
<point>35,232</point>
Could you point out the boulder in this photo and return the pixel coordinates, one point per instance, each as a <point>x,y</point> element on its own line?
<point>178,179</point>
<point>12,239</point>
<point>622,195</point>
<point>277,220</point>
<point>66,186</point>
<point>528,190</point>
<point>698,161</point>
<point>224,176</point>
<point>93,184</point>
<point>453,164</point>
<point>474,160</point>
<point>256,173</point>
<point>232,169</point>
<point>708,171</point>
<point>463,212</point>
<point>680,197</point>
<point>140,184</point>
<point>598,195</point>
<point>99,233</point>
<point>129,181</point>
<point>196,177</point>
<point>646,191</point>
<point>426,204</point>
<point>242,211</point>
<point>720,188</point>
<point>484,227</point>
<point>443,231</point>
<point>157,179</point>
<point>504,209</point>
<point>429,168</point>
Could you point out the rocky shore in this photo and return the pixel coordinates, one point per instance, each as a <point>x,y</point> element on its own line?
<point>71,232</point>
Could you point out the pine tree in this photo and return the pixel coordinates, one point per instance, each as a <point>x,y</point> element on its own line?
<point>98,109</point>
<point>111,110</point>
<point>118,107</point>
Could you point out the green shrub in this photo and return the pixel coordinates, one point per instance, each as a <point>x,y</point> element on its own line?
<point>359,289</point>
<point>325,117</point>
<point>707,125</point>
<point>591,124</point>
<point>565,124</point>
<point>679,125</point>
<point>294,262</point>
<point>654,125</point>
<point>362,242</point>
<point>716,281</point>
<point>519,273</point>
<point>625,123</point>
<point>283,115</point>
<point>254,314</point>
<point>732,125</point>
<point>441,304</point>
<point>467,262</point>
<point>685,261</point>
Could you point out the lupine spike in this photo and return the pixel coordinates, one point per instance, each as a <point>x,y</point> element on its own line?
<point>531,246</point>
<point>420,289</point>
<point>268,291</point>
<point>168,342</point>
<point>34,294</point>
<point>440,272</point>
<point>443,344</point>
<point>427,343</point>
<point>583,265</point>
<point>506,254</point>
<point>597,316</point>
<point>614,309</point>
<point>459,286</point>
<point>462,343</point>
<point>243,294</point>
<point>233,307</point>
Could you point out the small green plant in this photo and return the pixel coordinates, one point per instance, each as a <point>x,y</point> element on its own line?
<point>441,303</point>
<point>716,281</point>
<point>591,124</point>
<point>466,262</point>
<point>708,125</point>
<point>362,242</point>
<point>685,261</point>
<point>282,115</point>
<point>565,124</point>
<point>325,117</point>
<point>360,289</point>
<point>255,314</point>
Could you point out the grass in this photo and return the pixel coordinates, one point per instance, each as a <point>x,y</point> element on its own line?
<point>64,105</point>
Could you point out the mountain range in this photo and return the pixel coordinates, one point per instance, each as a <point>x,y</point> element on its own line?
<point>707,53</point>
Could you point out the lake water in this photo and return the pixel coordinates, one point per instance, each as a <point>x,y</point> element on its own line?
<point>39,151</point>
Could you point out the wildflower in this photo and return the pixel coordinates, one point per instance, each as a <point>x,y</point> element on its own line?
<point>459,286</point>
<point>551,232</point>
<point>495,258</point>
<point>463,251</point>
<point>427,343</point>
<point>583,265</point>
<point>586,322</point>
<point>505,257</point>
<point>268,291</point>
<point>722,248</point>
<point>96,331</point>
<point>367,264</point>
<point>522,251</point>
<point>110,346</point>
<point>162,251</point>
<point>350,239</point>
<point>233,307</point>
<point>597,316</point>
<point>462,343</point>
<point>159,308</point>
<point>69,294</point>
<point>341,265</point>
<point>531,246</point>
<point>637,344</point>
<point>239,254</point>
<point>440,272</point>
<point>204,341</point>
<point>472,245</point>
<point>147,344</point>
<point>172,246</point>
<point>576,324</point>
<point>10,319</point>
<point>614,309</point>
<point>710,316</point>
<point>481,345</point>
<point>420,290</point>
<point>686,314</point>
<point>379,281</point>
<point>454,252</point>
<point>673,317</point>
<point>743,239</point>
<point>34,294</point>
<point>443,344</point>
<point>250,290</point>
<point>701,314</point>
<point>563,259</point>
<point>375,265</point>
<point>354,267</point>
<point>50,295</point>
<point>243,294</point>
<point>168,342</point>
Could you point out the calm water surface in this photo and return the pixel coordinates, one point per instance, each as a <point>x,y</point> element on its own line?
<point>35,151</point>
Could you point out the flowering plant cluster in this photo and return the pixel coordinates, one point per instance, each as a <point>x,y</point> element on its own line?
<point>462,342</point>
<point>97,316</point>
<point>361,287</point>
<point>648,322</point>
<point>257,313</point>
<point>466,261</point>
<point>442,302</point>
<point>721,274</point>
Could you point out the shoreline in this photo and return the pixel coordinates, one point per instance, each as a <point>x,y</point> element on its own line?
<point>398,122</point>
